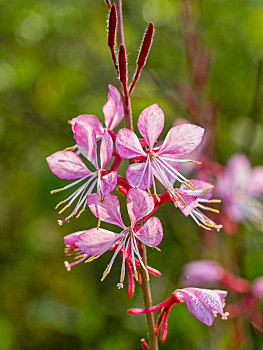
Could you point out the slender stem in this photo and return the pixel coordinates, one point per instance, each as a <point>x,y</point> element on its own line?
<point>129,125</point>
<point>147,298</point>
<point>120,22</point>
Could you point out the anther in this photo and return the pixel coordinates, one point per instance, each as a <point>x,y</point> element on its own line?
<point>207,189</point>
<point>62,210</point>
<point>188,185</point>
<point>55,191</point>
<point>136,275</point>
<point>157,197</point>
<point>172,193</point>
<point>194,161</point>
<point>204,227</point>
<point>159,250</point>
<point>79,256</point>
<point>215,201</point>
<point>137,186</point>
<point>59,204</point>
<point>82,210</point>
<point>105,273</point>
<point>181,198</point>
<point>99,222</point>
<point>213,210</point>
<point>149,191</point>
<point>69,148</point>
<point>90,259</point>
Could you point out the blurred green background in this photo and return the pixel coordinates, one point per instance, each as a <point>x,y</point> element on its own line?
<point>54,65</point>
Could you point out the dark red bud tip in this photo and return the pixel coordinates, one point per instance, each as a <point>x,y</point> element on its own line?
<point>146,45</point>
<point>112,26</point>
<point>144,344</point>
<point>108,3</point>
<point>123,66</point>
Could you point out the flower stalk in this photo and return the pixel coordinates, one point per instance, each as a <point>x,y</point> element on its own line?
<point>153,343</point>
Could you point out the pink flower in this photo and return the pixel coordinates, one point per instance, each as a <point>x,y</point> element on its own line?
<point>162,162</point>
<point>97,241</point>
<point>204,304</point>
<point>113,114</point>
<point>69,166</point>
<point>239,186</point>
<point>257,287</point>
<point>202,271</point>
<point>203,191</point>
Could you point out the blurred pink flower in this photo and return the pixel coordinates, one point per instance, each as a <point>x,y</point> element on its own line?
<point>240,186</point>
<point>97,241</point>
<point>257,287</point>
<point>204,304</point>
<point>159,163</point>
<point>202,271</point>
<point>113,114</point>
<point>69,166</point>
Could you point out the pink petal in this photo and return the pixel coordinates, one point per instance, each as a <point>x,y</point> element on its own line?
<point>210,298</point>
<point>96,241</point>
<point>128,144</point>
<point>190,200</point>
<point>108,210</point>
<point>86,142</point>
<point>108,182</point>
<point>113,109</point>
<point>150,124</point>
<point>181,139</point>
<point>88,121</point>
<point>139,204</point>
<point>151,233</point>
<point>257,287</point>
<point>134,174</point>
<point>236,175</point>
<point>67,165</point>
<point>196,307</point>
<point>255,186</point>
<point>71,239</point>
<point>106,149</point>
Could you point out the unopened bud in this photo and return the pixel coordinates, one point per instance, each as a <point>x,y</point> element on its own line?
<point>146,45</point>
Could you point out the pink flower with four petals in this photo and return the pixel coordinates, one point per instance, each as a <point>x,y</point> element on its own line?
<point>162,162</point>
<point>69,166</point>
<point>96,241</point>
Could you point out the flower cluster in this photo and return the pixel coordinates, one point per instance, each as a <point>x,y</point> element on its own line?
<point>95,174</point>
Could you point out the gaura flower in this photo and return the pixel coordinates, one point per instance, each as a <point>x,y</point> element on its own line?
<point>257,287</point>
<point>69,166</point>
<point>72,251</point>
<point>96,241</point>
<point>204,304</point>
<point>239,186</point>
<point>113,114</point>
<point>203,191</point>
<point>162,162</point>
<point>202,272</point>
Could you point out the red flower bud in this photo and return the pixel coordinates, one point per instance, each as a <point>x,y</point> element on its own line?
<point>146,45</point>
<point>123,66</point>
<point>112,26</point>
